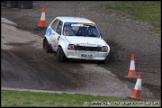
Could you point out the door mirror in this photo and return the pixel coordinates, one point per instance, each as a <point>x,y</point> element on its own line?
<point>100,34</point>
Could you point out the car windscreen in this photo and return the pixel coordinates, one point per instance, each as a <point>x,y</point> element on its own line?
<point>80,29</point>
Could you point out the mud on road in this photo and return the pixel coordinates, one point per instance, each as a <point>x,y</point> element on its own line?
<point>125,37</point>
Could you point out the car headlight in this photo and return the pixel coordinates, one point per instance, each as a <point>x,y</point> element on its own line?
<point>104,49</point>
<point>71,47</point>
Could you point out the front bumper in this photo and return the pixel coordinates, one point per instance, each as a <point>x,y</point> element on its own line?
<point>86,55</point>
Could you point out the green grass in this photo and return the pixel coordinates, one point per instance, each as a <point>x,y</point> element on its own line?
<point>24,98</point>
<point>149,11</point>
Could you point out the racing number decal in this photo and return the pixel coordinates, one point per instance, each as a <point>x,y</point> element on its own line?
<point>49,32</point>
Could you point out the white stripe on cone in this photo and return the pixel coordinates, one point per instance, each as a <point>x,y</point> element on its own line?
<point>43,16</point>
<point>132,65</point>
<point>138,84</point>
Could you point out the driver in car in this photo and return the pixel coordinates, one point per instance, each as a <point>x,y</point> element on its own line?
<point>68,31</point>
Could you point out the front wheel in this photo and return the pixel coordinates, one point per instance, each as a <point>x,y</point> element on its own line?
<point>105,61</point>
<point>60,55</point>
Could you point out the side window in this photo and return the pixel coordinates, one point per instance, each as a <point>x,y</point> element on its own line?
<point>59,27</point>
<point>54,24</point>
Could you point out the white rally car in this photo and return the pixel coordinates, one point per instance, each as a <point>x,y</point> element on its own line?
<point>75,38</point>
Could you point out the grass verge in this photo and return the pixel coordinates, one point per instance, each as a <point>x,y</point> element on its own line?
<point>25,98</point>
<point>149,11</point>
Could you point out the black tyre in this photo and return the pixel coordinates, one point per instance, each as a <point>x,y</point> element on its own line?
<point>25,4</point>
<point>46,46</point>
<point>60,55</point>
<point>105,61</point>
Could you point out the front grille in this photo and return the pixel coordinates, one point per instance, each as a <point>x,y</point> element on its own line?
<point>87,48</point>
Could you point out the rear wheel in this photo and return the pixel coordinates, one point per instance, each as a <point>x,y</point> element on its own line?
<point>46,46</point>
<point>60,55</point>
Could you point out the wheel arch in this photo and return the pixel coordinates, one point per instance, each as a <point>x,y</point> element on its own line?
<point>63,48</point>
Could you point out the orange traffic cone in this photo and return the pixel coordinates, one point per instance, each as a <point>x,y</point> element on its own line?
<point>42,23</point>
<point>132,73</point>
<point>136,94</point>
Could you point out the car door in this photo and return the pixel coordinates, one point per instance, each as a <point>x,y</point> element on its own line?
<point>58,34</point>
<point>56,31</point>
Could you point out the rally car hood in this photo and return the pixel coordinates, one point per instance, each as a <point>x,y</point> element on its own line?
<point>85,41</point>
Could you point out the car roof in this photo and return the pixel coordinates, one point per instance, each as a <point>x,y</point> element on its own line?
<point>74,19</point>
